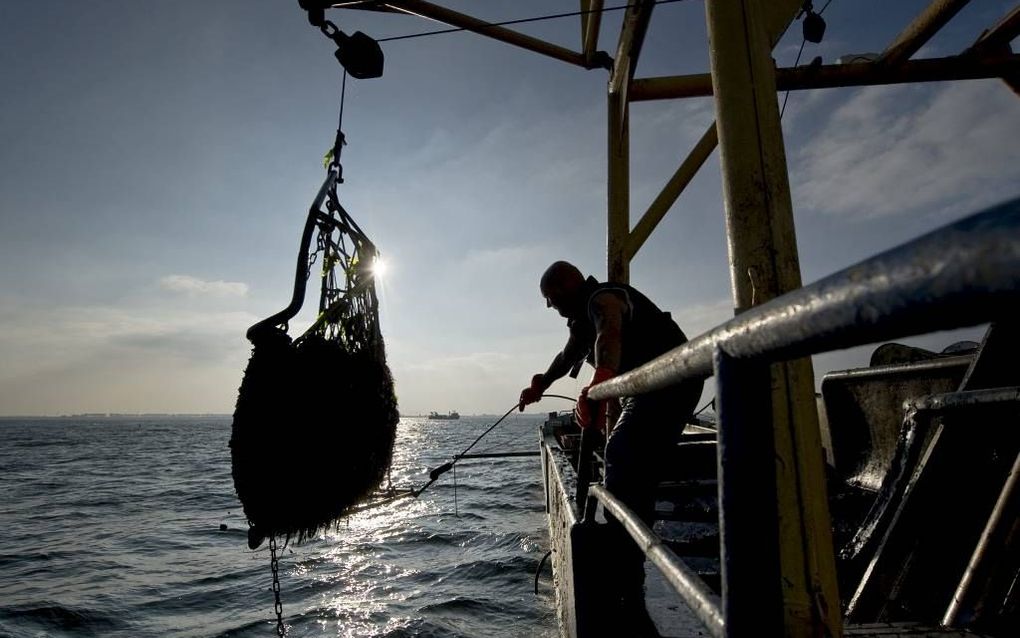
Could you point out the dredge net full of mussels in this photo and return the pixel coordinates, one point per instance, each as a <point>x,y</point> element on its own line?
<point>316,416</point>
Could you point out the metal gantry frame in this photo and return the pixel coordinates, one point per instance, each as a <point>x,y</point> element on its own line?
<point>761,239</point>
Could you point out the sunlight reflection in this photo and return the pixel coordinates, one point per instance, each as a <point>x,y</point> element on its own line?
<point>380,267</point>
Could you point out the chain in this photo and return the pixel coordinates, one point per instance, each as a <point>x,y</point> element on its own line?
<point>274,563</point>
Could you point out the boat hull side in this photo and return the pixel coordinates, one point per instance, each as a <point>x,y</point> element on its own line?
<point>563,513</point>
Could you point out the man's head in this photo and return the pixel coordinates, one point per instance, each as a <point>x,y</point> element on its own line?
<point>562,286</point>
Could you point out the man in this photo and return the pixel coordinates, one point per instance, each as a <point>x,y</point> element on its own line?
<point>616,329</point>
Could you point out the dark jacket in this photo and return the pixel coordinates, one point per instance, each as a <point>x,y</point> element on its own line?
<point>646,332</point>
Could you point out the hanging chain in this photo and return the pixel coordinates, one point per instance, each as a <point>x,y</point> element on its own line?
<point>274,563</point>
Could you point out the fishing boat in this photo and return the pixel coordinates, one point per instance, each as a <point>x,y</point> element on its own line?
<point>449,416</point>
<point>885,504</point>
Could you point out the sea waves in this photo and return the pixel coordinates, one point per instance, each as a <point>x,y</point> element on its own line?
<point>115,527</point>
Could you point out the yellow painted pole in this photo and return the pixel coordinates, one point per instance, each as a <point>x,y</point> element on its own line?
<point>618,219</point>
<point>763,265</point>
<point>632,35</point>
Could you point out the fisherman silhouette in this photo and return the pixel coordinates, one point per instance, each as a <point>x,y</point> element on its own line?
<point>615,328</point>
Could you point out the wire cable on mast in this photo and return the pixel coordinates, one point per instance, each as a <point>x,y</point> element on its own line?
<point>803,41</point>
<point>552,16</point>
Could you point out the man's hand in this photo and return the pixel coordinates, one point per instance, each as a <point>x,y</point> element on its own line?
<point>532,393</point>
<point>593,413</point>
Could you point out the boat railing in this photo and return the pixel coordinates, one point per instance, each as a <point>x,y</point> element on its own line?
<point>964,274</point>
<point>697,595</point>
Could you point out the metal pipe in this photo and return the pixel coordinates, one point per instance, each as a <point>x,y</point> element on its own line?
<point>628,49</point>
<point>924,26</point>
<point>997,39</point>
<point>1001,34</point>
<point>779,16</point>
<point>764,264</point>
<point>301,270</point>
<point>498,455</point>
<point>948,401</point>
<point>749,542</point>
<point>618,189</point>
<point>590,23</point>
<point>963,274</point>
<point>585,458</point>
<point>695,593</point>
<point>960,67</point>
<point>989,547</point>
<point>470,23</point>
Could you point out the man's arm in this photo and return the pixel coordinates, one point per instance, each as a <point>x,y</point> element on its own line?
<point>607,311</point>
<point>572,353</point>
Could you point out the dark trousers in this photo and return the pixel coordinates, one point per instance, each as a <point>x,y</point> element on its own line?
<point>637,453</point>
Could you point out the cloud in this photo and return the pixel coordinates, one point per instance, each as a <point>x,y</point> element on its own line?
<point>54,337</point>
<point>131,358</point>
<point>473,363</point>
<point>700,318</point>
<point>193,286</point>
<point>902,150</point>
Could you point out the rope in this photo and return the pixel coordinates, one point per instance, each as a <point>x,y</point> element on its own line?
<point>333,157</point>
<point>434,475</point>
<point>551,16</point>
<point>343,94</point>
<point>538,571</point>
<point>803,41</point>
<point>795,63</point>
<point>705,407</point>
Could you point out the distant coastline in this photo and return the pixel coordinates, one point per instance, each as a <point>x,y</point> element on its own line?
<point>119,415</point>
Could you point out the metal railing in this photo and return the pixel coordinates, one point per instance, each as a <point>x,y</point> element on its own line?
<point>964,274</point>
<point>698,596</point>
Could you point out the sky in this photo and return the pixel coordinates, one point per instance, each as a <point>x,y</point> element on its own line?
<point>157,160</point>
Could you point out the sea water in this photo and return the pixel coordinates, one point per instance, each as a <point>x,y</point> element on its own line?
<point>112,527</point>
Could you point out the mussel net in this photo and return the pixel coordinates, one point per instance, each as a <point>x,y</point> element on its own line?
<point>316,415</point>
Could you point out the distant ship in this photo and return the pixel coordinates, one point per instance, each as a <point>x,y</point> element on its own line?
<point>444,417</point>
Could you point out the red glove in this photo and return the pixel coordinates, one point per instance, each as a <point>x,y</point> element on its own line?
<point>593,413</point>
<point>533,393</point>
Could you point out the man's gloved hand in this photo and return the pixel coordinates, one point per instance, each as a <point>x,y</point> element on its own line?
<point>593,413</point>
<point>532,393</point>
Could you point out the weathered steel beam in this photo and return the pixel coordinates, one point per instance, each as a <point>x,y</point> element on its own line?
<point>991,551</point>
<point>628,49</point>
<point>999,36</point>
<point>996,41</point>
<point>918,32</point>
<point>632,34</point>
<point>959,67</point>
<point>702,600</point>
<point>671,191</point>
<point>778,14</point>
<point>748,516</point>
<point>964,274</point>
<point>591,21</point>
<point>470,23</point>
<point>764,264</point>
<point>618,188</point>
<point>965,399</point>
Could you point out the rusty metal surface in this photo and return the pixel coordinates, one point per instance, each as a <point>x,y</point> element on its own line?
<point>930,537</point>
<point>865,412</point>
<point>560,485</point>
